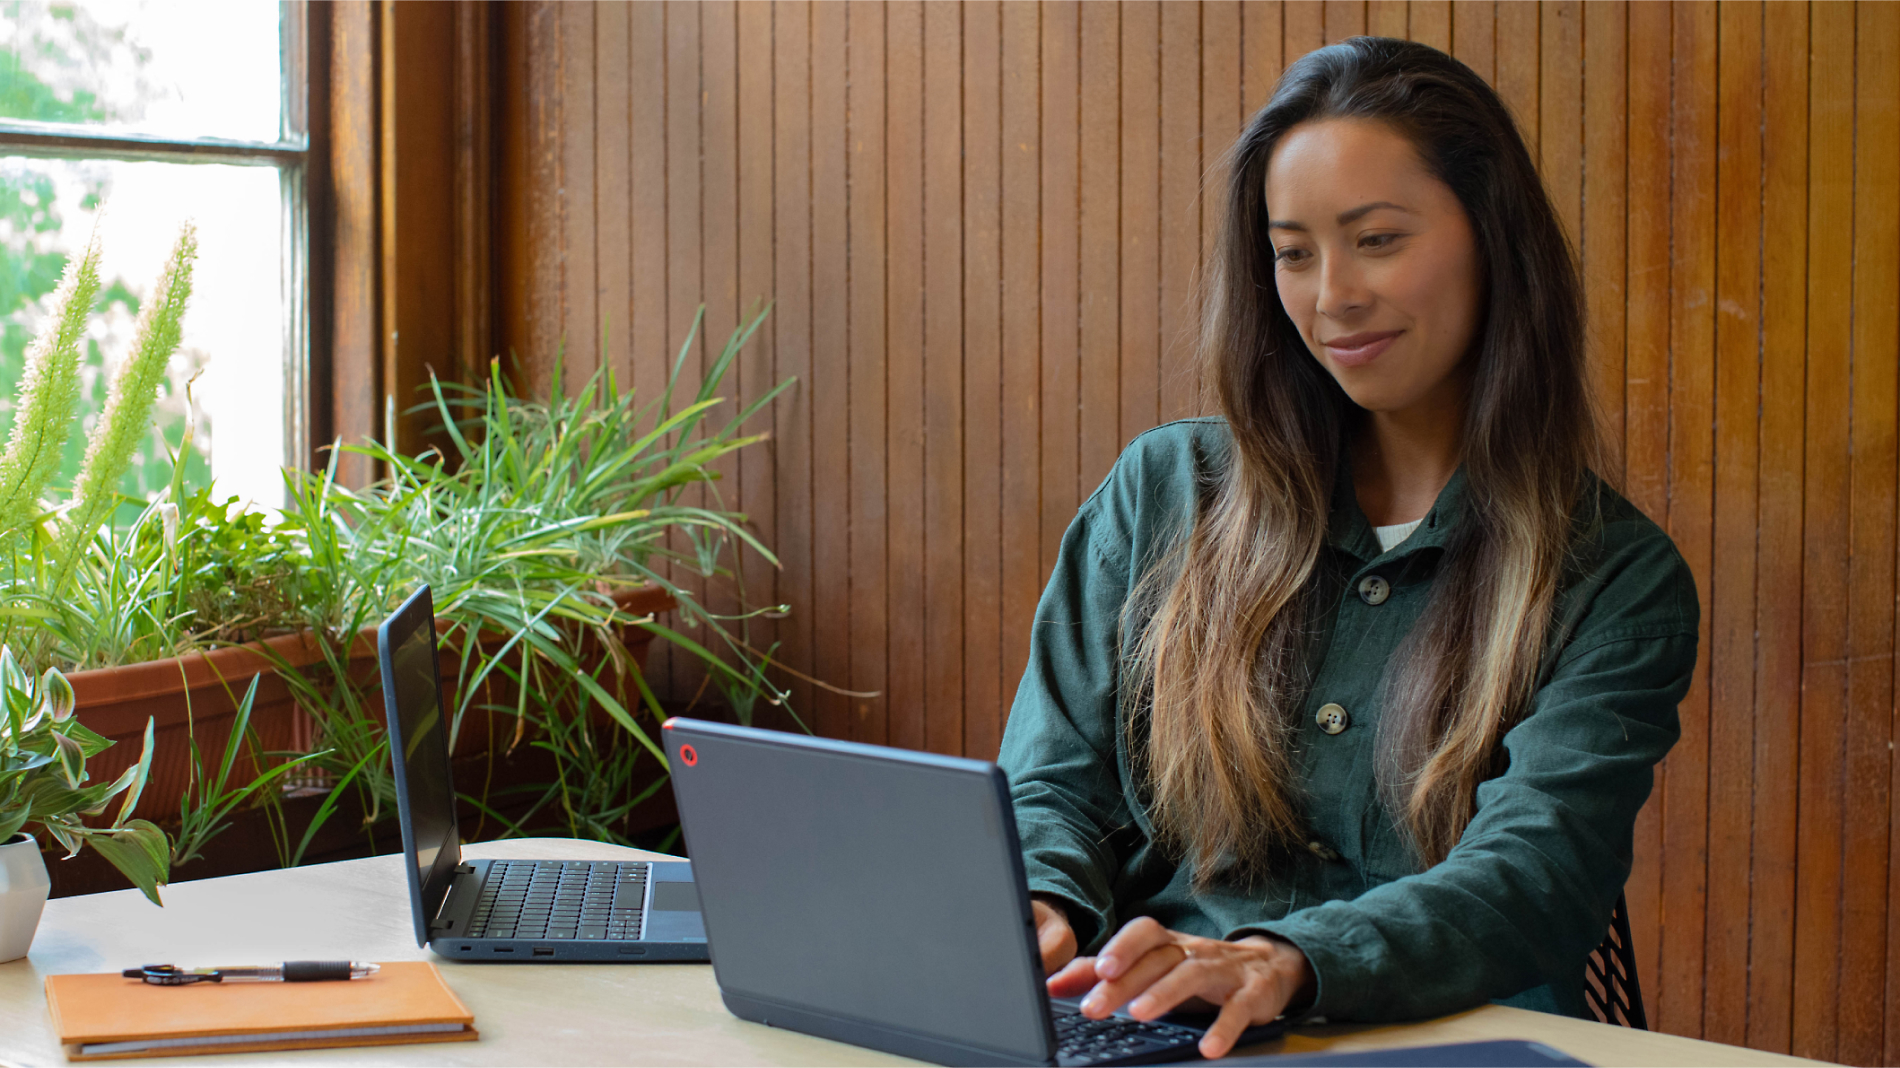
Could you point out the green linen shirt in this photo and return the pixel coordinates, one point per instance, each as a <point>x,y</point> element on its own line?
<point>1525,895</point>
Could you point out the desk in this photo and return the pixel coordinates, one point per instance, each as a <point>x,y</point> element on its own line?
<point>574,1013</point>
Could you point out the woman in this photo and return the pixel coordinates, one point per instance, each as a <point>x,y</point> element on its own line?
<point>1344,704</point>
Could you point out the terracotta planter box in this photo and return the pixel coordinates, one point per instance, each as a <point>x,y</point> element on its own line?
<point>198,695</point>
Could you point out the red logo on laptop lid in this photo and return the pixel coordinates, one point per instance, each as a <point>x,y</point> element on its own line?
<point>689,755</point>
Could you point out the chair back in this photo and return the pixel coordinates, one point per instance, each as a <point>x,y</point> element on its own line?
<point>1609,975</point>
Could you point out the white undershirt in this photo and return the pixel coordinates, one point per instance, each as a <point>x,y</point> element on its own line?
<point>1392,535</point>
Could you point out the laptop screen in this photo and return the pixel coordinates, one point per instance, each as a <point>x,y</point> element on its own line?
<point>419,746</point>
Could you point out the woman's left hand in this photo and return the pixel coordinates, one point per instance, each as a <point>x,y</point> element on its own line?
<point>1154,971</point>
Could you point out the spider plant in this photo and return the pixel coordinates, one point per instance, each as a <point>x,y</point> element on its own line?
<point>525,525</point>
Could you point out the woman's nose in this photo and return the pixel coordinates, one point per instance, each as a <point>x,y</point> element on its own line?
<point>1342,292</point>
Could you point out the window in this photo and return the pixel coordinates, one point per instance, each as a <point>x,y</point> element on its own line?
<point>134,116</point>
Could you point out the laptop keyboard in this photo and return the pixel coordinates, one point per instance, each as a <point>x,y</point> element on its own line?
<point>1117,1039</point>
<point>552,899</point>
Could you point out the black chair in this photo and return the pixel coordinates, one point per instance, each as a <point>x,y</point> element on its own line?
<point>1609,975</point>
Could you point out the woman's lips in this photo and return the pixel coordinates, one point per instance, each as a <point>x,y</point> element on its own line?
<point>1360,349</point>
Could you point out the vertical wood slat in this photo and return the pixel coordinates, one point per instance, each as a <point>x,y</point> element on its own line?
<point>1021,333</point>
<point>1343,19</point>
<point>982,566</point>
<point>1559,149</point>
<point>1220,125</point>
<point>649,337</point>
<point>613,196</point>
<point>1061,82</point>
<point>1778,672</point>
<point>1139,212</point>
<point>1474,36</point>
<point>1305,22</point>
<point>1263,50</point>
<point>755,374</point>
<point>904,426</point>
<point>1731,651</point>
<point>1180,224</point>
<point>1824,636</point>
<point>830,385</point>
<point>1388,18</point>
<point>1758,433</point>
<point>1691,422</point>
<point>1098,270</point>
<point>943,379</point>
<point>1877,254</point>
<point>355,385</point>
<point>1646,407</point>
<point>1867,771</point>
<point>580,323</point>
<point>1518,35</point>
<point>685,258</point>
<point>870,516</point>
<point>1430,23</point>
<point>791,329</point>
<point>1603,233</point>
<point>719,279</point>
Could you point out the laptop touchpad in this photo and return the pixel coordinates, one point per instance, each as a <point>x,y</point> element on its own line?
<point>674,915</point>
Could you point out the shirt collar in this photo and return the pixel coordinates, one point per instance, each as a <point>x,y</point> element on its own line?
<point>1348,530</point>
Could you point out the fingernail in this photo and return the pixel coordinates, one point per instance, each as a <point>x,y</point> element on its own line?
<point>1092,1003</point>
<point>1107,967</point>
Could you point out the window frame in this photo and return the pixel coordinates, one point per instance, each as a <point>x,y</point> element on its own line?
<point>295,154</point>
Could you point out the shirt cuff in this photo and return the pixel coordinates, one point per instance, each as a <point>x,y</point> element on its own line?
<point>1089,923</point>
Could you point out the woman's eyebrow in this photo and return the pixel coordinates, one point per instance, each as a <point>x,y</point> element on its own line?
<point>1355,213</point>
<point>1343,218</point>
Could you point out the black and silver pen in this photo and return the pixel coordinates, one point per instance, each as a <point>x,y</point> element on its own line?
<point>291,971</point>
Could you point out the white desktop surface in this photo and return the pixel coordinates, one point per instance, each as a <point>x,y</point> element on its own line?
<point>578,1014</point>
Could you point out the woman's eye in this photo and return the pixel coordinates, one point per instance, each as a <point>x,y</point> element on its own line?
<point>1288,255</point>
<point>1377,241</point>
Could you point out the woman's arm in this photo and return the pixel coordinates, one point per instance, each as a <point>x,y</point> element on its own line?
<point>1059,746</point>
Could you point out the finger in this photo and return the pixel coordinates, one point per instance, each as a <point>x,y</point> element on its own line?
<point>1074,979</point>
<point>1210,979</point>
<point>1241,1012</point>
<point>1056,942</point>
<point>1136,938</point>
<point>1112,994</point>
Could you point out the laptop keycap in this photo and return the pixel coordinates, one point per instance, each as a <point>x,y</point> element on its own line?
<point>1117,1039</point>
<point>560,900</point>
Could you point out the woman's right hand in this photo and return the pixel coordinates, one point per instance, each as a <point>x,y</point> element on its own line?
<point>1054,936</point>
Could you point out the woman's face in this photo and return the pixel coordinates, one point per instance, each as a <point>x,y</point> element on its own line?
<point>1375,262</point>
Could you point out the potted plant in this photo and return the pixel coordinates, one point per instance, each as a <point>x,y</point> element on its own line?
<point>44,781</point>
<point>543,529</point>
<point>550,530</point>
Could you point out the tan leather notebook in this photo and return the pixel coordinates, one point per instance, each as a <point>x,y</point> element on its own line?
<point>99,1017</point>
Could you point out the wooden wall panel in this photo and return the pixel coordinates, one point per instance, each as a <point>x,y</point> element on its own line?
<point>982,227</point>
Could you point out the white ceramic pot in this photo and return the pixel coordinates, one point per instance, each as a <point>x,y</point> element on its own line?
<point>24,885</point>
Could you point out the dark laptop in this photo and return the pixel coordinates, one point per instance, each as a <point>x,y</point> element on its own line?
<point>876,896</point>
<point>510,910</point>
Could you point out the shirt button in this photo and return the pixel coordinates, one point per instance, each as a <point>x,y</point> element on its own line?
<point>1332,718</point>
<point>1374,590</point>
<point>1322,850</point>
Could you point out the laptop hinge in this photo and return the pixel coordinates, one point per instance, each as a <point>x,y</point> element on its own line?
<point>443,922</point>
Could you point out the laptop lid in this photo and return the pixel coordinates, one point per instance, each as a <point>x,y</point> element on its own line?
<point>871,895</point>
<point>419,752</point>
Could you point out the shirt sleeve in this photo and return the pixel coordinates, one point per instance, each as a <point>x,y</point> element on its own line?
<point>1059,748</point>
<point>1527,892</point>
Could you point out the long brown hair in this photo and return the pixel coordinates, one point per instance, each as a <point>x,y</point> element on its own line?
<point>1217,673</point>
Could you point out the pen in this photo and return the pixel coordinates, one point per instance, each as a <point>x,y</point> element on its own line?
<point>291,971</point>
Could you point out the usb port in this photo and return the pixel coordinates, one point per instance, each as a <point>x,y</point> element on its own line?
<point>504,949</point>
<point>541,951</point>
